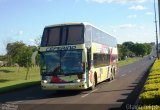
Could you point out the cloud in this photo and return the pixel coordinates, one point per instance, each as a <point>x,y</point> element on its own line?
<point>127,26</point>
<point>118,1</point>
<point>137,7</point>
<point>149,13</point>
<point>132,16</point>
<point>141,27</point>
<point>19,33</point>
<point>132,32</point>
<point>124,26</point>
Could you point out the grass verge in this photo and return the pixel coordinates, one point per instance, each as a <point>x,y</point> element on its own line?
<point>12,78</point>
<point>128,61</point>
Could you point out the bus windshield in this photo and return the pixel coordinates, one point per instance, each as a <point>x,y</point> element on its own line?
<point>63,35</point>
<point>61,62</point>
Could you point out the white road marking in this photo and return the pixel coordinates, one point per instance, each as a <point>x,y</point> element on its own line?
<point>18,102</point>
<point>15,102</point>
<point>123,75</point>
<point>89,93</point>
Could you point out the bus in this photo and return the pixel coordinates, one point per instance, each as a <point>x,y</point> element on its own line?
<point>76,56</point>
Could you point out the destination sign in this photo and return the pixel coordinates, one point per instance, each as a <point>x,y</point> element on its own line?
<point>61,48</point>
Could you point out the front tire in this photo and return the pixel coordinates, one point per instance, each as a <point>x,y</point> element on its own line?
<point>94,82</point>
<point>112,75</point>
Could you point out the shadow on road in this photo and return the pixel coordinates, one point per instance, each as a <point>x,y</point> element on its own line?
<point>34,93</point>
<point>131,100</point>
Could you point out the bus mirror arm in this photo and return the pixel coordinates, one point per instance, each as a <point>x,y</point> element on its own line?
<point>88,66</point>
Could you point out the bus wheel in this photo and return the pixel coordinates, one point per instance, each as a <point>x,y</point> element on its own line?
<point>94,82</point>
<point>112,75</point>
<point>115,72</point>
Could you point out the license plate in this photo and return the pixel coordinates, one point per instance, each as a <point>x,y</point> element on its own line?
<point>61,87</point>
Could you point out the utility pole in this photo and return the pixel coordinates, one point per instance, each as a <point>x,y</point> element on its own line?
<point>159,15</point>
<point>156,28</point>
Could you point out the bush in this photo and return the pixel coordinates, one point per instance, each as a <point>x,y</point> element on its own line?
<point>150,98</point>
<point>151,87</point>
<point>151,81</point>
<point>154,77</point>
<point>154,73</point>
<point>156,66</point>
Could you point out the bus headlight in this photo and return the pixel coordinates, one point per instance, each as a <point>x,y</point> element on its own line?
<point>44,81</point>
<point>79,80</point>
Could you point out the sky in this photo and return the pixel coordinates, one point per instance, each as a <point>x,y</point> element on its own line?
<point>127,20</point>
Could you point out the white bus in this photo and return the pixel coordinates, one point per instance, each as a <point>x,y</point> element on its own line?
<point>76,56</point>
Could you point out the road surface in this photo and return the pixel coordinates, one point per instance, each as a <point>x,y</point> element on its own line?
<point>118,94</point>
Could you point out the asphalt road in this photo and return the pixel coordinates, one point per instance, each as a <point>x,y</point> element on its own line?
<point>121,93</point>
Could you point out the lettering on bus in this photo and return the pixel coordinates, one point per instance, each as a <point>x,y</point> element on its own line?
<point>61,48</point>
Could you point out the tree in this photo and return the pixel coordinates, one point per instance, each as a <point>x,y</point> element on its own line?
<point>26,56</point>
<point>130,46</point>
<point>20,54</point>
<point>14,51</point>
<point>122,52</point>
<point>149,48</point>
<point>131,49</point>
<point>140,49</point>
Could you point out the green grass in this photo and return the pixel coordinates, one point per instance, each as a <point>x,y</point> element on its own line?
<point>13,78</point>
<point>128,61</point>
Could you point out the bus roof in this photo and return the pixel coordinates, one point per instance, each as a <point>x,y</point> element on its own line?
<point>79,23</point>
<point>63,24</point>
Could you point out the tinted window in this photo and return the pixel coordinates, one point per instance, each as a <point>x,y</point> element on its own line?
<point>63,35</point>
<point>44,38</point>
<point>62,62</point>
<point>75,35</point>
<point>54,36</point>
<point>100,60</point>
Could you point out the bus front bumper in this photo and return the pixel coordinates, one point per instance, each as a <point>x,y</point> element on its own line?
<point>64,86</point>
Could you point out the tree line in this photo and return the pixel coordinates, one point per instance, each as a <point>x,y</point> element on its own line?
<point>21,54</point>
<point>130,49</point>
